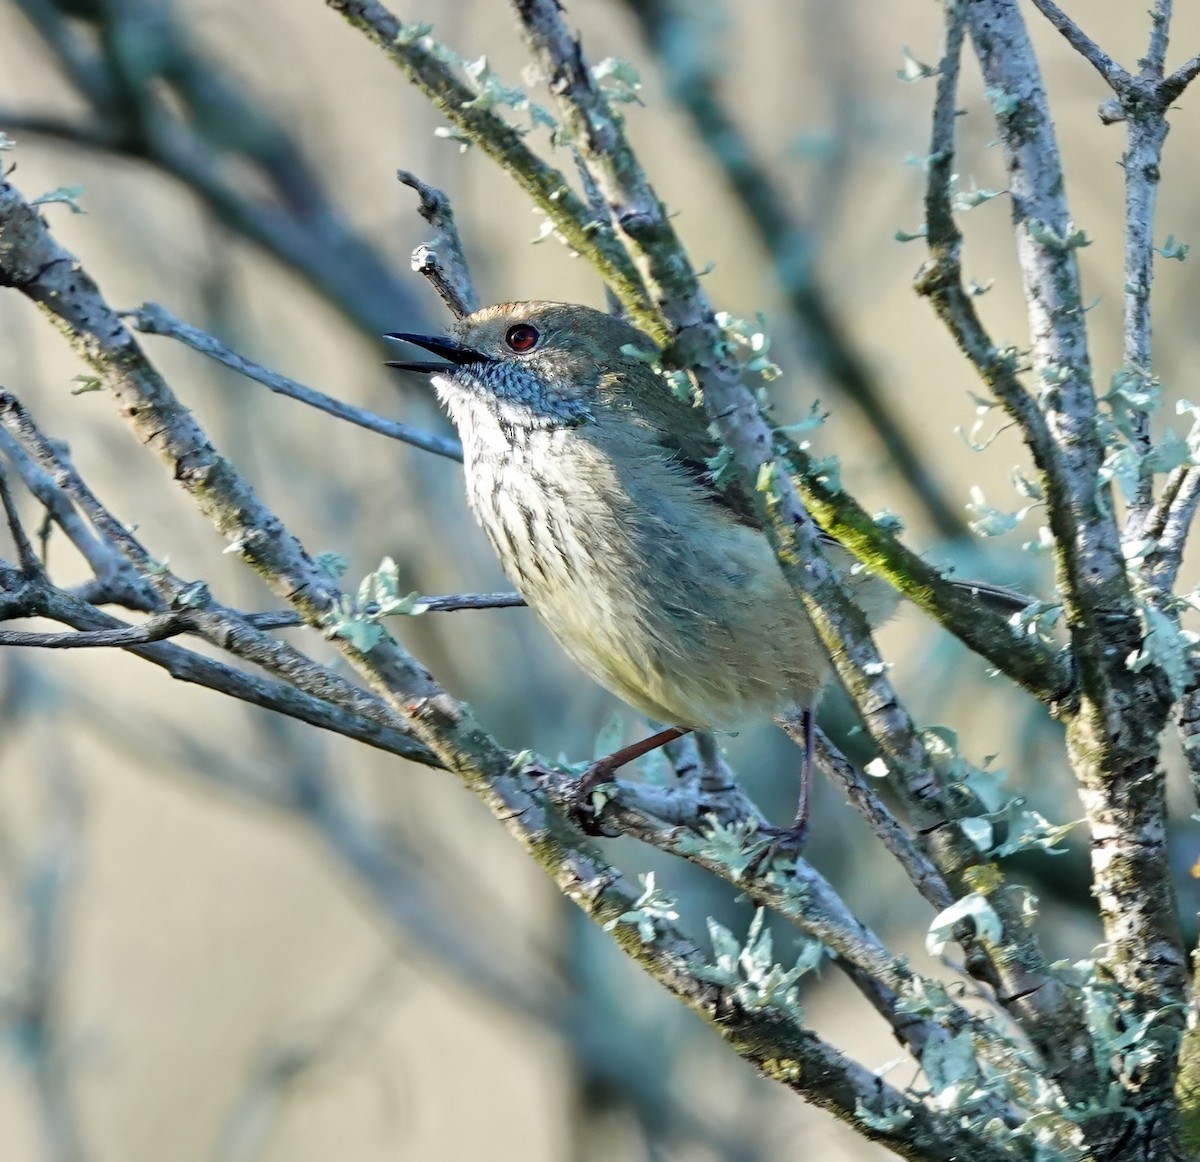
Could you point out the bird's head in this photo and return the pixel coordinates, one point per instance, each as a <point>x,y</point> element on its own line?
<point>534,364</point>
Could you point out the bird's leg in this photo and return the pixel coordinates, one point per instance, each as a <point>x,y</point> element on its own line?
<point>601,771</point>
<point>799,827</point>
<point>791,839</point>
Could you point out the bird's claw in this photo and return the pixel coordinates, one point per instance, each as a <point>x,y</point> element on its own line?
<point>781,841</point>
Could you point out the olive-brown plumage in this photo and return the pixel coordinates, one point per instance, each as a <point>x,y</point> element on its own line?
<point>591,481</point>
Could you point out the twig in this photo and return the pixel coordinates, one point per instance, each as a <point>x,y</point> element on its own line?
<point>111,570</point>
<point>1083,44</point>
<point>25,554</point>
<point>1173,86</point>
<point>368,720</point>
<point>1171,524</point>
<point>940,279</point>
<point>1154,62</point>
<point>152,319</point>
<point>424,62</point>
<point>167,625</point>
<point>442,261</point>
<point>682,821</point>
<point>156,629</point>
<point>223,628</point>
<point>1146,131</point>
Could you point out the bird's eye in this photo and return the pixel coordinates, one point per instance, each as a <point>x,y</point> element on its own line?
<point>522,337</point>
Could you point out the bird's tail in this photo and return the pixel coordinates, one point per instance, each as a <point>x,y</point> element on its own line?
<point>1001,599</point>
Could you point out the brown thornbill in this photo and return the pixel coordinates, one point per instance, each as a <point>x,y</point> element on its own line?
<point>593,483</point>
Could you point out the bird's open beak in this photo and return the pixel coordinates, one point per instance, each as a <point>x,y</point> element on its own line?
<point>453,352</point>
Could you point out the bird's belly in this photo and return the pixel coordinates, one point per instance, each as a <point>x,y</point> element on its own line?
<point>690,622</point>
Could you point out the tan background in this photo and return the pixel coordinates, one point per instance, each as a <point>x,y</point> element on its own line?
<point>207,936</point>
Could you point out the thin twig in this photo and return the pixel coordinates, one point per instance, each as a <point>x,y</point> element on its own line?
<point>1173,86</point>
<point>424,62</point>
<point>25,552</point>
<point>111,570</point>
<point>1146,131</point>
<point>442,261</point>
<point>683,821</point>
<point>367,720</point>
<point>1164,560</point>
<point>152,319</point>
<point>168,625</point>
<point>1113,74</point>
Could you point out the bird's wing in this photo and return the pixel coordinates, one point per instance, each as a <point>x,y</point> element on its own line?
<point>682,432</point>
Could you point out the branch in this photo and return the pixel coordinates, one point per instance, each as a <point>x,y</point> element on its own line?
<point>373,724</point>
<point>922,874</point>
<point>1113,736</point>
<point>700,826</point>
<point>442,261</point>
<point>223,628</point>
<point>111,570</point>
<point>424,63</point>
<point>1113,74</point>
<point>30,565</point>
<point>940,279</point>
<point>162,626</point>
<point>152,319</point>
<point>1170,524</point>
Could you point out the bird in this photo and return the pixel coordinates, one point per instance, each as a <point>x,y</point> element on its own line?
<point>598,490</point>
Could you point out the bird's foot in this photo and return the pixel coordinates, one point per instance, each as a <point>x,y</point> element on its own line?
<point>581,803</point>
<point>781,843</point>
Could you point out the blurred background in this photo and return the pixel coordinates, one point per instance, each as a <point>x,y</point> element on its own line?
<point>193,963</point>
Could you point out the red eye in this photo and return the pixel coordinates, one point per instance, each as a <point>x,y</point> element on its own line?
<point>522,337</point>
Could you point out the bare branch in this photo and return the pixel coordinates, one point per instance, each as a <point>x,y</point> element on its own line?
<point>1113,735</point>
<point>1173,86</point>
<point>1154,62</point>
<point>112,571</point>
<point>152,319</point>
<point>1170,526</point>
<point>409,46</point>
<point>940,279</point>
<point>155,629</point>
<point>162,626</point>
<point>25,554</point>
<point>442,261</point>
<point>683,821</point>
<point>1115,76</point>
<point>368,721</point>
